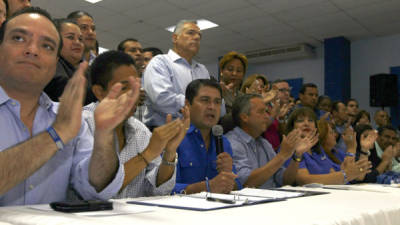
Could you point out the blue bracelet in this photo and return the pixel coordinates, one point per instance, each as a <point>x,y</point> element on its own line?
<point>207,185</point>
<point>55,137</point>
<point>349,154</point>
<point>345,181</point>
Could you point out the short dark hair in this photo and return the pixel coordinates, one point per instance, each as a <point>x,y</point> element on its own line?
<point>307,85</point>
<point>60,21</point>
<point>154,51</point>
<point>30,10</point>
<point>335,106</point>
<point>121,47</point>
<point>277,81</point>
<point>242,105</point>
<point>360,115</point>
<point>104,65</point>
<point>78,14</point>
<point>387,127</point>
<point>193,88</point>
<point>351,100</point>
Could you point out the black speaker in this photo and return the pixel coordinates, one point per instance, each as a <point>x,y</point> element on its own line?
<point>383,90</point>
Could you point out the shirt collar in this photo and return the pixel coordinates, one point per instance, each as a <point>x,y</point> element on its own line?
<point>243,135</point>
<point>175,57</point>
<point>44,100</point>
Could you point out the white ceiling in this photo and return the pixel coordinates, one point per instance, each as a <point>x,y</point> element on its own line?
<point>244,24</point>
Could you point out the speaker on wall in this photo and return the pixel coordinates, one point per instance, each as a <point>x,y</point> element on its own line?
<point>383,90</point>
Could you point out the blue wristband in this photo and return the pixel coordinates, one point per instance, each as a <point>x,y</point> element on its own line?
<point>207,185</point>
<point>349,154</point>
<point>55,137</point>
<point>345,181</point>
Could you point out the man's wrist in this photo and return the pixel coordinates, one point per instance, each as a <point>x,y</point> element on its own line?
<point>297,157</point>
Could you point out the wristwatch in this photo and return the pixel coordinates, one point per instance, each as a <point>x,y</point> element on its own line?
<point>365,153</point>
<point>168,163</point>
<point>297,158</point>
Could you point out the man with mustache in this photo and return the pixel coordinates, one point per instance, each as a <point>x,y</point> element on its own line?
<point>167,75</point>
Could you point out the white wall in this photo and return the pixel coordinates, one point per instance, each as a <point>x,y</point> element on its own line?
<point>369,57</point>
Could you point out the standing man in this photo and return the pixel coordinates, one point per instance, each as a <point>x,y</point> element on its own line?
<point>352,109</point>
<point>167,75</point>
<point>149,53</point>
<point>253,156</point>
<point>133,48</point>
<point>45,147</point>
<point>199,167</point>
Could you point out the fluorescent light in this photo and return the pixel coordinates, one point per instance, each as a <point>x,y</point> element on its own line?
<point>93,1</point>
<point>203,24</point>
<point>101,50</point>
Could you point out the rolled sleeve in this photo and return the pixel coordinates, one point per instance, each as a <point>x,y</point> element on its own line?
<point>151,175</point>
<point>80,173</point>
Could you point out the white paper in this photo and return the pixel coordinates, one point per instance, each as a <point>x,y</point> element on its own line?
<point>267,193</point>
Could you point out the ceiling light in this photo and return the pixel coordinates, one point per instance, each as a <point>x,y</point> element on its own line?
<point>203,24</point>
<point>93,1</point>
<point>101,50</point>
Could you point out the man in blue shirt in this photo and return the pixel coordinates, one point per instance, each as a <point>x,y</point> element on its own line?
<point>45,146</point>
<point>167,75</point>
<point>199,168</point>
<point>253,156</point>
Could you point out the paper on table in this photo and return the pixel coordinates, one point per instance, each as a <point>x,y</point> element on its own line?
<point>183,201</point>
<point>233,196</point>
<point>119,209</point>
<point>267,193</point>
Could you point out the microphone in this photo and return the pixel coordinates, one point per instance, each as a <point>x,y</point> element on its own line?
<point>217,131</point>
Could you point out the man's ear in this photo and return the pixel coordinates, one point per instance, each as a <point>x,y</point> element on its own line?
<point>244,117</point>
<point>99,92</point>
<point>174,38</point>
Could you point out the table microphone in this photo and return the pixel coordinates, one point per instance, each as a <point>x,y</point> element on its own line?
<point>217,131</point>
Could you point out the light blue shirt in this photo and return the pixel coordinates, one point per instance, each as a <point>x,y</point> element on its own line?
<point>165,81</point>
<point>68,166</point>
<point>250,154</point>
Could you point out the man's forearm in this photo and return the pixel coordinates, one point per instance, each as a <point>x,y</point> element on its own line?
<point>104,161</point>
<point>289,176</point>
<point>259,176</point>
<point>21,161</point>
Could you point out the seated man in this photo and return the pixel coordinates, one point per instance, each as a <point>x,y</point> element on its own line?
<point>199,168</point>
<point>253,156</point>
<point>146,173</point>
<point>45,146</point>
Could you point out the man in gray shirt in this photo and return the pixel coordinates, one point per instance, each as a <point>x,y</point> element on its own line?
<point>256,162</point>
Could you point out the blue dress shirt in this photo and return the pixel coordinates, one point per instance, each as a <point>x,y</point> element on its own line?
<point>68,166</point>
<point>165,81</point>
<point>250,154</point>
<point>195,162</point>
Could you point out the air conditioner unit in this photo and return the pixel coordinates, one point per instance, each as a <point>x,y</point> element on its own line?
<point>289,52</point>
